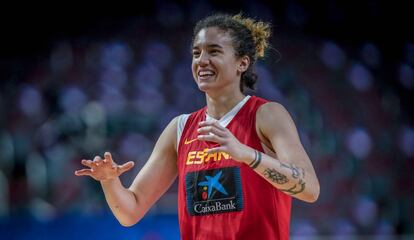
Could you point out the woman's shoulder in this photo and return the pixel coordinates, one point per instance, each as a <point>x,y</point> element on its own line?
<point>271,113</point>
<point>271,107</point>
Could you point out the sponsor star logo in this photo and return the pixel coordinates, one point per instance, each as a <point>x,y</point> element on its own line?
<point>214,191</point>
<point>213,182</point>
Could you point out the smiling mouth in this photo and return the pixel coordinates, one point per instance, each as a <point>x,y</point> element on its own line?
<point>205,74</point>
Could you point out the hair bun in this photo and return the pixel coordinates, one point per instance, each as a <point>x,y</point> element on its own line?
<point>261,32</point>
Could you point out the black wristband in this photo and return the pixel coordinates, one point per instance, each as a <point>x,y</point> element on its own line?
<point>254,160</point>
<point>258,160</point>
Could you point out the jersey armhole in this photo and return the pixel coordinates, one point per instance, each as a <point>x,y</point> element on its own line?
<point>182,120</point>
<point>266,144</point>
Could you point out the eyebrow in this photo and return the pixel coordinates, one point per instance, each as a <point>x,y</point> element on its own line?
<point>213,45</point>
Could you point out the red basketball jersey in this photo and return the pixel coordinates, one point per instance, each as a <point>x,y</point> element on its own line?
<point>220,198</point>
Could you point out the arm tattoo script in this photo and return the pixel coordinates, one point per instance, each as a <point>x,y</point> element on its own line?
<point>275,176</point>
<point>297,172</point>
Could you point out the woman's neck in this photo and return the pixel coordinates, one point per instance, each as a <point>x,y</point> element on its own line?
<point>218,106</point>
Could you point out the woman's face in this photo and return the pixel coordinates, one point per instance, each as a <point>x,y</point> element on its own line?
<point>214,64</point>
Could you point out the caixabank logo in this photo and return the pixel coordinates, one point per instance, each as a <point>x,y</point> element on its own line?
<point>214,191</point>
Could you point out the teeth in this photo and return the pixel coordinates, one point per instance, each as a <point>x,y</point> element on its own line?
<point>205,73</point>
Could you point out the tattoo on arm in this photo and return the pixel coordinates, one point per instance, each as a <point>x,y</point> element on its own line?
<point>297,172</point>
<point>275,176</point>
<point>292,190</point>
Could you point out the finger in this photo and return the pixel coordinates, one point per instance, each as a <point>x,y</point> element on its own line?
<point>211,129</point>
<point>212,123</point>
<point>206,123</point>
<point>97,161</point>
<point>126,166</point>
<point>108,158</point>
<point>214,150</point>
<point>211,138</point>
<point>87,163</point>
<point>217,125</point>
<point>84,172</point>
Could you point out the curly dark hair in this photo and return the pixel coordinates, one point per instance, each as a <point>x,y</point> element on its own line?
<point>249,37</point>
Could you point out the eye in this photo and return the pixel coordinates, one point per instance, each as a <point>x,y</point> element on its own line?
<point>214,52</point>
<point>196,53</point>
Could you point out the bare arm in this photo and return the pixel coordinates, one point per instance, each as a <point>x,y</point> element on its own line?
<point>289,169</point>
<point>158,173</point>
<point>130,205</point>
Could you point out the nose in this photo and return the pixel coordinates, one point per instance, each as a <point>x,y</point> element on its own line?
<point>203,59</point>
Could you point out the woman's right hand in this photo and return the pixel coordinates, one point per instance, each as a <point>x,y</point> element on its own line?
<point>103,169</point>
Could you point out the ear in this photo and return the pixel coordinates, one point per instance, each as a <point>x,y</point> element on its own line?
<point>244,63</point>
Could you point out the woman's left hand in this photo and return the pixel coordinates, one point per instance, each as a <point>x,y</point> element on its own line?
<point>212,131</point>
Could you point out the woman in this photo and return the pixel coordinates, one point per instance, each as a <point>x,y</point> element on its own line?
<point>239,160</point>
